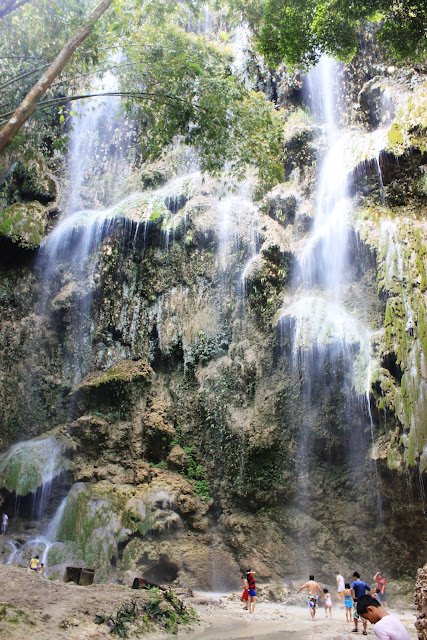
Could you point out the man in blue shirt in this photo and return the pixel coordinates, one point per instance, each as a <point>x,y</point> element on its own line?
<point>358,589</point>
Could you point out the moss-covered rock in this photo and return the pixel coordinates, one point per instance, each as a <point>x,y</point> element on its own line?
<point>25,223</point>
<point>401,253</point>
<point>26,466</point>
<point>124,371</point>
<point>108,526</point>
<point>409,128</point>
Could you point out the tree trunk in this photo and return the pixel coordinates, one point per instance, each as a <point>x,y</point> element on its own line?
<point>29,105</point>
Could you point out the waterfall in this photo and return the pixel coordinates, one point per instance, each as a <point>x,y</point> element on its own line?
<point>93,126</point>
<point>253,249</point>
<point>40,544</point>
<point>31,471</point>
<point>30,468</point>
<point>331,347</point>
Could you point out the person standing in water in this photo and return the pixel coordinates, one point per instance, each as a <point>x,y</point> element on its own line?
<point>348,602</point>
<point>245,595</point>
<point>358,589</point>
<point>252,599</point>
<point>312,589</point>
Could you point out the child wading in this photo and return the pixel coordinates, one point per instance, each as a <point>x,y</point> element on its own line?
<point>348,602</point>
<point>328,603</point>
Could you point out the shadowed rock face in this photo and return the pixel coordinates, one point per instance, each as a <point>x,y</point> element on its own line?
<point>213,412</point>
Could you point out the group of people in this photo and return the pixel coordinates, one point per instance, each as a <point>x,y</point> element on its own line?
<point>37,566</point>
<point>361,601</point>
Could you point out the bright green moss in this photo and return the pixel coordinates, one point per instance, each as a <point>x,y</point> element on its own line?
<point>24,223</point>
<point>395,136</point>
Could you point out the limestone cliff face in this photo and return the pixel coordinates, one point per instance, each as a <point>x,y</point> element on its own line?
<point>199,433</point>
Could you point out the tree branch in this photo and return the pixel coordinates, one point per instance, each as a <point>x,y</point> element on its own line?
<point>162,98</point>
<point>29,105</point>
<point>21,76</point>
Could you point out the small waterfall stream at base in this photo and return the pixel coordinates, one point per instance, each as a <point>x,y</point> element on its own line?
<point>40,544</point>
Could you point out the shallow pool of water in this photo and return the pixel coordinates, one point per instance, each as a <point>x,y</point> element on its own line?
<point>225,629</point>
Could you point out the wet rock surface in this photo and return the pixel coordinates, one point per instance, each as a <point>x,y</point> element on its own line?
<point>170,368</point>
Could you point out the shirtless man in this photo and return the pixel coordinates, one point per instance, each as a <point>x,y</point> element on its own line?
<point>312,589</point>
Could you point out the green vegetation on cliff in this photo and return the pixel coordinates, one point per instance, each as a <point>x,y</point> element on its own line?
<point>299,31</point>
<point>190,87</point>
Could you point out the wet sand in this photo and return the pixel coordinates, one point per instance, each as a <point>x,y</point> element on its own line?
<point>223,619</point>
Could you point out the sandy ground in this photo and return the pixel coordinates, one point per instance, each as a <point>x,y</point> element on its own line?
<point>31,606</point>
<point>227,620</point>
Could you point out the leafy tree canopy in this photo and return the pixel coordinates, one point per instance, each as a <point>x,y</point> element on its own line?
<point>193,93</point>
<point>299,31</point>
<point>176,82</point>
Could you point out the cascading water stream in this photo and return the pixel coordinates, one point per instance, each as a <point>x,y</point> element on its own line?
<point>41,544</point>
<point>325,334</point>
<point>323,257</point>
<point>253,248</point>
<point>30,468</point>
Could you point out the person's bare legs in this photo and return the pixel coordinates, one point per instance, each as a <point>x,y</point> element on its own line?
<point>355,620</point>
<point>254,601</point>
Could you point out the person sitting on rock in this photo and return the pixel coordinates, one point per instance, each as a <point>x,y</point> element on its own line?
<point>34,563</point>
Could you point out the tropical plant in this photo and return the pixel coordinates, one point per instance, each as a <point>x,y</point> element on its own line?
<point>299,31</point>
<point>173,81</point>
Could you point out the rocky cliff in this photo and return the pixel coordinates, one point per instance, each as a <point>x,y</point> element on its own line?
<point>202,421</point>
